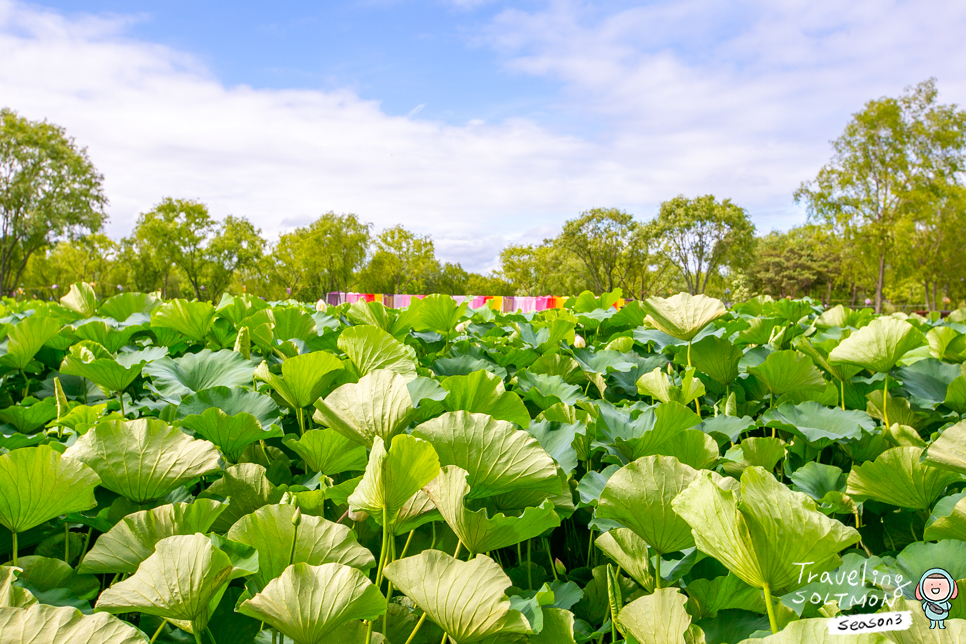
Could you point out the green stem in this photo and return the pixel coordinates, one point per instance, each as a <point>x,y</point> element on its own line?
<point>842,398</point>
<point>384,551</point>
<point>406,546</point>
<point>14,547</point>
<point>197,634</point>
<point>590,547</point>
<point>300,415</point>
<point>553,568</point>
<point>885,401</point>
<point>416,629</point>
<point>456,553</point>
<point>689,354</point>
<point>67,543</point>
<point>529,571</point>
<point>120,397</point>
<point>443,641</point>
<point>391,558</point>
<point>771,609</point>
<point>158,632</point>
<point>211,635</point>
<point>657,571</point>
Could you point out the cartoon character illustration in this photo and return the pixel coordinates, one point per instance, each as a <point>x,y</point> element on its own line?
<point>935,590</point>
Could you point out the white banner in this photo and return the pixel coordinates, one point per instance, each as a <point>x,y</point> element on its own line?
<point>870,623</point>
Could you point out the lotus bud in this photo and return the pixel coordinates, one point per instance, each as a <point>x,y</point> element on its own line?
<point>579,342</point>
<point>559,567</point>
<point>297,517</point>
<point>463,326</point>
<point>358,515</point>
<point>321,306</point>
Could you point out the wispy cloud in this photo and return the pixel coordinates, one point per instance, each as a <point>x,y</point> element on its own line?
<point>737,99</point>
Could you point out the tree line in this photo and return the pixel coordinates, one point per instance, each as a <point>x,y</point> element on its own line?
<point>885,222</point>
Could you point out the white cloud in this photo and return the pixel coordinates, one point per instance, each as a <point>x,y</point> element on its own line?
<point>737,99</point>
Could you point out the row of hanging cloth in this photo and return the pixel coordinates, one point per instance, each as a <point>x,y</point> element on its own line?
<point>503,304</point>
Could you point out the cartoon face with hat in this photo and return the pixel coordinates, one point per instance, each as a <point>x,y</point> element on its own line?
<point>935,590</point>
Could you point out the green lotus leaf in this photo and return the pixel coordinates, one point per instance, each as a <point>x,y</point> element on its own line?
<point>483,393</point>
<point>133,539</point>
<point>175,378</point>
<point>956,395</point>
<point>629,552</point>
<point>897,477</point>
<point>439,313</point>
<point>717,358</point>
<point>816,631</point>
<point>304,378</point>
<point>559,364</point>
<point>291,323</point>
<point>123,305</point>
<point>558,627</point>
<point>465,598</point>
<point>112,338</point>
<point>12,596</point>
<point>927,381</point>
<point>546,391</point>
<point>757,451</point>
<point>762,531</point>
<point>378,405</point>
<point>64,625</point>
<point>232,434</point>
<point>557,440</point>
<point>657,384</point>
<point>547,339</point>
<point>682,316</point>
<point>144,459</point>
<point>181,582</point>
<point>92,361</point>
<point>706,597</point>
<point>247,488</point>
<point>878,346</point>
<point>310,604</point>
<point>26,338</point>
<point>464,365</point>
<point>81,299</point>
<point>44,576</point>
<point>497,456</point>
<point>596,365</point>
<point>948,521</point>
<point>946,344</point>
<point>785,372</point>
<point>27,419</point>
<point>821,359</point>
<point>315,541</point>
<point>393,476</point>
<point>38,484</point>
<point>820,426</point>
<point>659,618</point>
<point>478,531</point>
<point>652,430</point>
<point>949,450</point>
<point>818,479</point>
<point>921,631</point>
<point>190,319</point>
<point>727,428</point>
<point>329,452</point>
<point>370,349</point>
<point>639,496</point>
<point>692,447</point>
<point>232,401</point>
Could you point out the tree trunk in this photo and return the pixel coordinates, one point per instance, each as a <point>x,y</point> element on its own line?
<point>935,302</point>
<point>828,293</point>
<point>855,290</point>
<point>879,284</point>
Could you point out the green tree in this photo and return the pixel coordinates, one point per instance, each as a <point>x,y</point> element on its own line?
<point>449,279</point>
<point>401,263</point>
<point>600,238</point>
<point>796,262</point>
<point>489,284</point>
<point>236,246</point>
<point>92,258</point>
<point>48,189</point>
<point>701,236</point>
<point>884,163</point>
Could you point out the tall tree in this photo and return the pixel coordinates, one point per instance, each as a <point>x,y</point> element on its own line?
<point>600,238</point>
<point>703,235</point>
<point>236,246</point>
<point>888,153</point>
<point>401,263</point>
<point>48,189</point>
<point>795,263</point>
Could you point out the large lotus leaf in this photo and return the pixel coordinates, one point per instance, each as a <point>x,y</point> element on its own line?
<point>949,450</point>
<point>658,618</point>
<point>13,596</point>
<point>247,488</point>
<point>921,631</point>
<point>92,361</point>
<point>393,476</point>
<point>175,378</point>
<point>370,349</point>
<point>683,315</point>
<point>547,339</point>
<point>123,305</point>
<point>546,391</point>
<point>111,337</point>
<point>820,358</point>
<point>464,365</point>
<point>465,598</point>
<point>819,425</point>
<point>280,543</point>
<point>596,365</point>
<point>304,377</point>
<point>783,372</point>
<point>482,392</point>
<point>558,627</point>
<point>639,496</point>
<point>629,552</point>
<point>763,532</point>
<point>478,531</point>
<point>497,456</point>
<point>653,429</point>
<point>946,344</point>
<point>133,539</point>
<point>38,484</point>
<point>727,428</point>
<point>312,603</point>
<point>692,447</point>
<point>927,381</point>
<point>878,346</point>
<point>760,451</point>
<point>816,631</point>
<point>64,625</point>
<point>144,459</point>
<point>956,395</point>
<point>557,439</point>
<point>26,338</point>
<point>28,418</point>
<point>439,313</point>
<point>236,308</point>
<point>897,477</point>
<point>378,405</point>
<point>706,597</point>
<point>717,358</point>
<point>232,401</point>
<point>289,323</point>
<point>177,582</point>
<point>81,299</point>
<point>190,319</point>
<point>948,520</point>
<point>232,434</point>
<point>329,452</point>
<point>818,479</point>
<point>657,384</point>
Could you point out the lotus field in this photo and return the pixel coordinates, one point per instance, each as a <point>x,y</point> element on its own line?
<point>673,471</point>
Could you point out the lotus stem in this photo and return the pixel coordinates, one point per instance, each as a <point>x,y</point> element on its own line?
<point>772,621</point>
<point>211,635</point>
<point>416,629</point>
<point>445,635</point>
<point>14,535</point>
<point>689,354</point>
<point>456,553</point>
<point>553,568</point>
<point>384,551</point>
<point>67,543</point>
<point>657,571</point>
<point>158,632</point>
<point>529,571</point>
<point>120,397</point>
<point>406,546</point>
<point>885,401</point>
<point>197,633</point>
<point>842,397</point>
<point>300,416</point>
<point>391,557</point>
<point>590,547</point>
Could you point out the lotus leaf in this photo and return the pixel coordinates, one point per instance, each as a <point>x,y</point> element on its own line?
<point>232,434</point>
<point>629,552</point>
<point>497,456</point>
<point>190,319</point>
<point>683,315</point>
<point>144,459</point>
<point>820,426</point>
<point>27,418</point>
<point>27,338</point>
<point>64,625</point>
<point>378,405</point>
<point>817,631</point>
<point>546,391</point>
<point>304,378</point>
<point>657,384</point>
<point>949,450</point>
<point>465,598</point>
<point>659,618</point>
<point>112,338</point>
<point>717,358</point>
<point>785,372</point>
<point>247,489</point>
<point>329,452</point>
<point>482,392</point>
<point>897,477</point>
<point>393,476</point>
<point>123,305</point>
<point>878,346</point>
<point>232,401</point>
<point>370,349</point>
<point>176,378</point>
<point>92,361</point>
<point>652,431</point>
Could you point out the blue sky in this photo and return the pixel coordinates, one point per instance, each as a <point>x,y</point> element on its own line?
<point>480,122</point>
